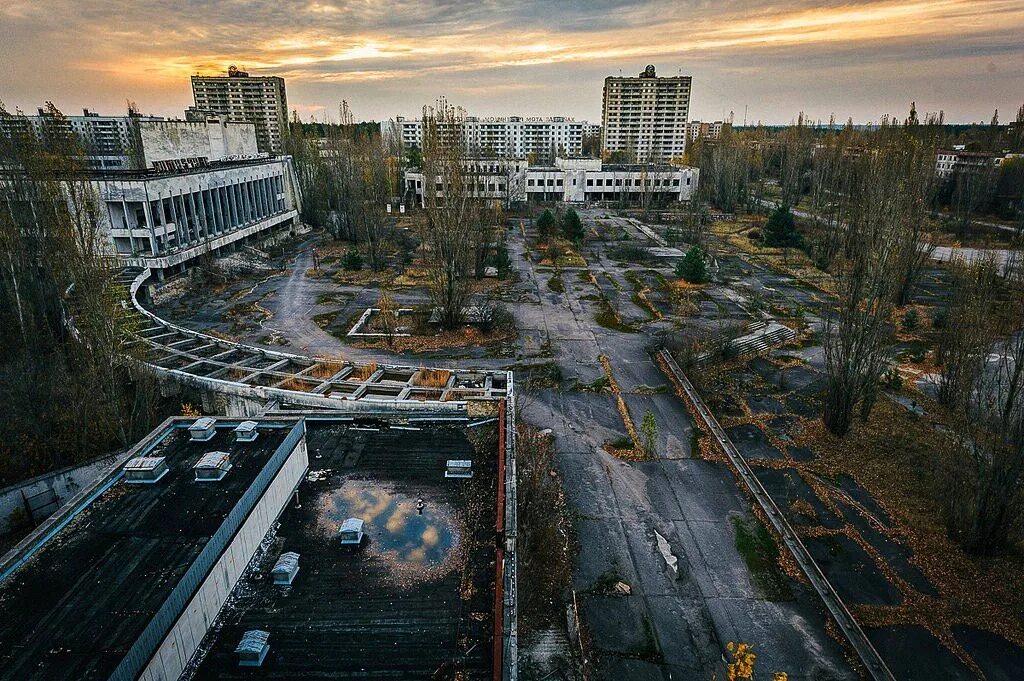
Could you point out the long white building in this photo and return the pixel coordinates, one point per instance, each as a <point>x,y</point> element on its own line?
<point>571,181</point>
<point>645,116</point>
<point>511,136</point>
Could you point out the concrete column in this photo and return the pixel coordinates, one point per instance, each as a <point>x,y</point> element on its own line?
<point>164,218</point>
<point>257,201</point>
<point>204,195</point>
<point>148,210</point>
<point>233,204</point>
<point>211,197</point>
<point>251,200</point>
<point>181,234</point>
<point>196,215</point>
<point>261,192</point>
<point>236,190</point>
<point>218,209</point>
<point>243,188</point>
<point>127,223</point>
<point>181,218</point>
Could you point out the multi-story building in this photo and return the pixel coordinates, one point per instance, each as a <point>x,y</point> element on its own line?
<point>571,181</point>
<point>705,129</point>
<point>164,219</point>
<point>645,116</point>
<point>173,190</point>
<point>959,160</point>
<point>260,100</point>
<point>512,136</point>
<point>107,141</point>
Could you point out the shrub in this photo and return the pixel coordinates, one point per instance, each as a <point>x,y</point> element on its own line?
<point>352,260</point>
<point>939,319</point>
<point>693,267</point>
<point>502,262</point>
<point>911,320</point>
<point>891,379</point>
<point>630,253</point>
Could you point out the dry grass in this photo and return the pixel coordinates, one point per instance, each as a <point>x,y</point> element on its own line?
<point>296,384</point>
<point>363,372</point>
<point>637,452</point>
<point>327,367</point>
<point>433,378</point>
<point>237,373</point>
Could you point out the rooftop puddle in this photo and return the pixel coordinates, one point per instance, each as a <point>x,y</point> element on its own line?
<point>415,544</point>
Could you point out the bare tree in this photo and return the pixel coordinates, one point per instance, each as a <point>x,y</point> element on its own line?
<point>453,212</point>
<point>387,313</point>
<point>971,189</point>
<point>968,331</point>
<point>985,385</point>
<point>859,330</point>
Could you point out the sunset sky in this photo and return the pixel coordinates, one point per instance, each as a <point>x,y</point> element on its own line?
<point>859,59</point>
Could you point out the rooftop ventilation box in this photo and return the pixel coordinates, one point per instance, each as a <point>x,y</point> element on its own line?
<point>246,431</point>
<point>351,532</point>
<point>459,468</point>
<point>212,467</point>
<point>285,569</point>
<point>253,648</point>
<point>203,429</point>
<point>145,470</point>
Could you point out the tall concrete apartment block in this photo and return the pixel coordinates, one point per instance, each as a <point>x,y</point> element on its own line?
<point>260,100</point>
<point>646,115</point>
<point>514,136</point>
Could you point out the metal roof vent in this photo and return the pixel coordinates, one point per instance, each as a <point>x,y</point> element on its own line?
<point>203,429</point>
<point>459,468</point>
<point>351,531</point>
<point>145,470</point>
<point>286,567</point>
<point>253,648</point>
<point>246,431</point>
<point>213,466</point>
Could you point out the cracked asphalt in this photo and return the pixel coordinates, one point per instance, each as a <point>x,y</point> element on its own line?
<point>672,625</point>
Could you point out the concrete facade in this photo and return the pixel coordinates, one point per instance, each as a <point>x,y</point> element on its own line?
<point>646,115</point>
<point>42,495</point>
<point>707,130</point>
<point>512,136</point>
<point>573,181</point>
<point>260,100</point>
<point>165,142</point>
<point>164,220</point>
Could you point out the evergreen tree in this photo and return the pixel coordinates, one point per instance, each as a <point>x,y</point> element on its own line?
<point>572,228</point>
<point>693,268</point>
<point>780,230</point>
<point>546,224</point>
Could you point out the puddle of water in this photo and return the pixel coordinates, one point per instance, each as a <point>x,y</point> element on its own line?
<point>411,544</point>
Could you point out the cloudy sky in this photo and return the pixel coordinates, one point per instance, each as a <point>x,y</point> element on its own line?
<point>388,57</point>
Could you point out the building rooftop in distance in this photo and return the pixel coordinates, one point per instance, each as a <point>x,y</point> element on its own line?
<point>416,600</point>
<point>79,593</point>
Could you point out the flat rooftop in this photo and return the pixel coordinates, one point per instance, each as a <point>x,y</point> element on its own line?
<point>74,608</point>
<point>416,600</point>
